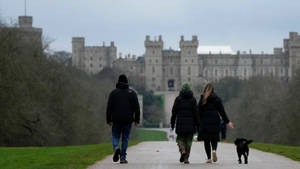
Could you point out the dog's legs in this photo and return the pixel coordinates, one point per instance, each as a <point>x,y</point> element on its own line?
<point>246,158</point>
<point>240,155</point>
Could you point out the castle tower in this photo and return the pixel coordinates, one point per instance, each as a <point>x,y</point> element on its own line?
<point>78,52</point>
<point>189,60</point>
<point>153,64</point>
<point>25,21</point>
<point>292,49</point>
<point>112,54</point>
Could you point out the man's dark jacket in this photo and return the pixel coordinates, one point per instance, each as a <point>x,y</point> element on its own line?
<point>184,113</point>
<point>123,106</point>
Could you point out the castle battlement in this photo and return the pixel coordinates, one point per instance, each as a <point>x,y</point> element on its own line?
<point>186,43</point>
<point>154,43</point>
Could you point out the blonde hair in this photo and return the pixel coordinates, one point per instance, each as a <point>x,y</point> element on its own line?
<point>206,92</point>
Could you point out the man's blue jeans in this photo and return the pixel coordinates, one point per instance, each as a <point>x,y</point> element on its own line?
<point>117,131</point>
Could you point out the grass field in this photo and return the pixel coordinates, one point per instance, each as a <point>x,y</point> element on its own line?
<point>149,135</point>
<point>68,157</point>
<point>292,152</point>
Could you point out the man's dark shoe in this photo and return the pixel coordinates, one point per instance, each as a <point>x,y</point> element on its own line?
<point>182,157</point>
<point>116,155</point>
<point>123,161</point>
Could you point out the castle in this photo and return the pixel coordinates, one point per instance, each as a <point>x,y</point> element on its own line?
<point>167,70</point>
<point>30,35</point>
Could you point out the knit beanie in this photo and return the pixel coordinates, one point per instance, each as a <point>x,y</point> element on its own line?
<point>123,79</point>
<point>186,86</point>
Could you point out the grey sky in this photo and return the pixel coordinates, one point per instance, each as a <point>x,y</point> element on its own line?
<point>242,24</point>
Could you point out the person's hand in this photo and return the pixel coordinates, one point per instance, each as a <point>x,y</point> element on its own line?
<point>230,125</point>
<point>137,124</point>
<point>110,123</point>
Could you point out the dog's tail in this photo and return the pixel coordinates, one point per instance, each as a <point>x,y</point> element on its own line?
<point>249,141</point>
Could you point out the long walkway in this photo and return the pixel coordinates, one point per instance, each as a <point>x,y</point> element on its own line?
<point>165,155</point>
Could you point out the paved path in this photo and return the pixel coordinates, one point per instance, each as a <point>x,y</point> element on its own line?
<point>164,155</point>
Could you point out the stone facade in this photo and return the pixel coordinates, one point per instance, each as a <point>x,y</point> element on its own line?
<point>92,59</point>
<point>167,70</point>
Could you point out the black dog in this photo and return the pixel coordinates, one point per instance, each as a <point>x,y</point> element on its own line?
<point>242,148</point>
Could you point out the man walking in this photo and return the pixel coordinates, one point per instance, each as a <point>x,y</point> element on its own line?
<point>122,110</point>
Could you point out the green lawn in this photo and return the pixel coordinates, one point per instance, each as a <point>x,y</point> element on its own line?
<point>149,135</point>
<point>292,152</point>
<point>68,157</point>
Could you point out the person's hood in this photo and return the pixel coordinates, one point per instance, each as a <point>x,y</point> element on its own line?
<point>121,85</point>
<point>186,94</point>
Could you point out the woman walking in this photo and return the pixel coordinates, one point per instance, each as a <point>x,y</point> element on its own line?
<point>184,114</point>
<point>211,111</point>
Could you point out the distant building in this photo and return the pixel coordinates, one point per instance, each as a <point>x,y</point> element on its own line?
<point>29,33</point>
<point>92,59</point>
<point>167,70</point>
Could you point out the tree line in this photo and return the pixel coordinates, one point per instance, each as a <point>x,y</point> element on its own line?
<point>45,103</point>
<point>263,109</point>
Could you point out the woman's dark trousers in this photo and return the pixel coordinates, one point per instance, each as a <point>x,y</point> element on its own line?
<point>208,145</point>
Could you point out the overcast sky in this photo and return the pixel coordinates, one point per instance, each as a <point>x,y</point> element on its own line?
<point>259,25</point>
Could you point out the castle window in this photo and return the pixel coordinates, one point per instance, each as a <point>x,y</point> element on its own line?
<point>156,61</point>
<point>153,79</point>
<point>226,72</point>
<point>281,70</point>
<point>261,61</point>
<point>216,61</point>
<point>100,65</point>
<point>91,65</point>
<point>99,59</point>
<point>131,67</point>
<point>91,58</point>
<point>245,72</point>
<point>189,70</point>
<point>192,60</point>
<point>153,69</point>
<point>216,72</point>
<point>189,79</point>
<point>171,70</point>
<point>185,60</point>
<point>153,52</point>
